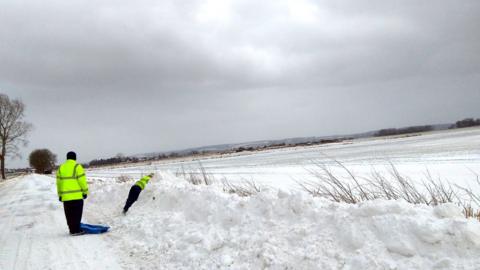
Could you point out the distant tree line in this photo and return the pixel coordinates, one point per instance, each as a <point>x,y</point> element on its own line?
<point>405,130</point>
<point>126,159</point>
<point>112,160</point>
<point>467,122</point>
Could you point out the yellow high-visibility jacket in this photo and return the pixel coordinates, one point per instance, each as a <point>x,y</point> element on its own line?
<point>71,181</point>
<point>143,182</point>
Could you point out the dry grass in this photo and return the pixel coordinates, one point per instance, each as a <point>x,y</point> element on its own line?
<point>196,177</point>
<point>390,186</point>
<point>472,199</point>
<point>469,212</point>
<point>200,176</point>
<point>243,189</point>
<point>353,189</point>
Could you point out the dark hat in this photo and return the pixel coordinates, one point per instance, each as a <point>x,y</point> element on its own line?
<point>71,155</point>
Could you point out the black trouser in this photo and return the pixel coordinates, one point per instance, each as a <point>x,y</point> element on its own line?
<point>132,196</point>
<point>73,213</point>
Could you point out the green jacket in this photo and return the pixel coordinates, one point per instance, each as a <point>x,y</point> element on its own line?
<point>143,182</point>
<point>71,181</point>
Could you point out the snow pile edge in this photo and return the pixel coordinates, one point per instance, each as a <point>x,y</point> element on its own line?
<point>175,225</point>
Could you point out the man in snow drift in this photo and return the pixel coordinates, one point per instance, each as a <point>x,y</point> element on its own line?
<point>135,191</point>
<point>72,188</point>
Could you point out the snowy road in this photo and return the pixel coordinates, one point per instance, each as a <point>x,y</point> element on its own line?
<point>34,233</point>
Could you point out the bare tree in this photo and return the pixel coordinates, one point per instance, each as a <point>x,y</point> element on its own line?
<point>13,130</point>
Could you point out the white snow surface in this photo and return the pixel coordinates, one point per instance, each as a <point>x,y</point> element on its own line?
<point>176,225</point>
<point>34,233</point>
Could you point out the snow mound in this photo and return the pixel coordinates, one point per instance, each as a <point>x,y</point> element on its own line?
<point>175,225</point>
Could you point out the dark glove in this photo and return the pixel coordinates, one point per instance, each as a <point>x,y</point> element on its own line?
<point>84,196</point>
<point>60,199</point>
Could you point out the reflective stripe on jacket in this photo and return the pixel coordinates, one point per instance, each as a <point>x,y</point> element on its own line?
<point>71,181</point>
<point>143,182</point>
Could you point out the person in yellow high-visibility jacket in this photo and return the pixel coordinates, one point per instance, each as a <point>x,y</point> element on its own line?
<point>135,191</point>
<point>72,189</point>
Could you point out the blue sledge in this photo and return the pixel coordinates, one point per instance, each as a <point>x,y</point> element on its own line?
<point>93,229</point>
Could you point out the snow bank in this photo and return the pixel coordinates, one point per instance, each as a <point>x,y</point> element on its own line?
<point>175,225</point>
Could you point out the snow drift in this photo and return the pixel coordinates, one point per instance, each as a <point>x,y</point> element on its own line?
<point>176,225</point>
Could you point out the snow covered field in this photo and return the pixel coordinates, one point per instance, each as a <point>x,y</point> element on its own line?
<point>176,225</point>
<point>452,155</point>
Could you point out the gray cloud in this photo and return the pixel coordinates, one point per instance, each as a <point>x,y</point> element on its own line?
<point>107,76</point>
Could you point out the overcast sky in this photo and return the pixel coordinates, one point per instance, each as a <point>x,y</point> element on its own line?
<point>108,77</point>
